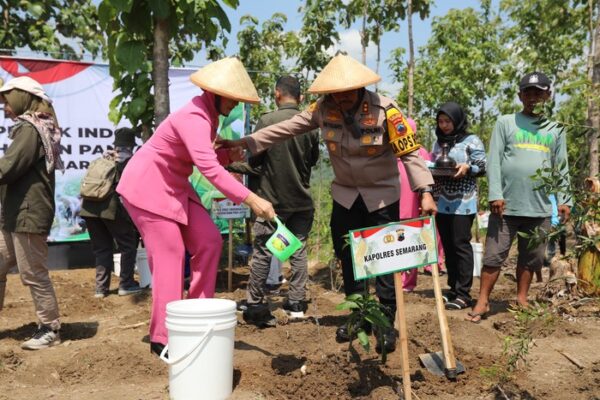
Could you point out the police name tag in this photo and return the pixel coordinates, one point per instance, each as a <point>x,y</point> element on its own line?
<point>394,247</point>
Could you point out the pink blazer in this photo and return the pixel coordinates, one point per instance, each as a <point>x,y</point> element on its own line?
<point>409,200</point>
<point>156,177</point>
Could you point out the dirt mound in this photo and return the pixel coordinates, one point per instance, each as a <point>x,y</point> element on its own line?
<point>105,352</point>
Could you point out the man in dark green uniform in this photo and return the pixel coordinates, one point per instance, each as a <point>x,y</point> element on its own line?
<point>108,222</point>
<point>283,179</point>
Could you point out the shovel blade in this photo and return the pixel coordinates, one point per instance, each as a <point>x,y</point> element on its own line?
<point>434,362</point>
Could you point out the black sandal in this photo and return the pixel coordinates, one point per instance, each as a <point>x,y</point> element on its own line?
<point>457,304</point>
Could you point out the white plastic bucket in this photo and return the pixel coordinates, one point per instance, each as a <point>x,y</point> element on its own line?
<point>143,268</point>
<point>117,264</point>
<point>201,339</point>
<point>477,258</point>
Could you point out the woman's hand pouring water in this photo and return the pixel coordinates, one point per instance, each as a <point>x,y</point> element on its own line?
<point>261,207</point>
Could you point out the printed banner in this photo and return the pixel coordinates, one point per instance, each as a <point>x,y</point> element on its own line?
<point>81,94</point>
<point>394,247</point>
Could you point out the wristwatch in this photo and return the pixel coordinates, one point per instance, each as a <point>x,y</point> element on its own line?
<point>426,189</point>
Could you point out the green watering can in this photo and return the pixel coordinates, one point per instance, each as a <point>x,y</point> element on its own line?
<point>283,243</point>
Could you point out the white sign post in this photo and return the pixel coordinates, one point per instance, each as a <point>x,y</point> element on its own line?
<point>394,247</point>
<point>397,247</point>
<point>227,209</point>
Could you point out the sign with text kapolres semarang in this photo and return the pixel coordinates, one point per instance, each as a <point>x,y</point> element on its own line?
<point>393,247</point>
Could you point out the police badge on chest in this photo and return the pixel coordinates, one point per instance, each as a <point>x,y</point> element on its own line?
<point>371,134</point>
<point>369,138</point>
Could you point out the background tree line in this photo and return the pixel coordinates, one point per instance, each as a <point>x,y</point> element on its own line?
<point>473,57</point>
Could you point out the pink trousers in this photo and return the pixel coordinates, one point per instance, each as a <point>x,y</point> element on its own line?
<point>166,242</point>
<point>409,208</point>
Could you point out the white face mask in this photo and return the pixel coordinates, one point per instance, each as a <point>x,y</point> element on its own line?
<point>124,153</point>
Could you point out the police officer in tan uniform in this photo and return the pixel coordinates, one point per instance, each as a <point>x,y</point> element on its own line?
<point>356,125</point>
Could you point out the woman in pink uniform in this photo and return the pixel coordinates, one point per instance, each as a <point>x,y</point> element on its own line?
<point>164,206</point>
<point>409,208</point>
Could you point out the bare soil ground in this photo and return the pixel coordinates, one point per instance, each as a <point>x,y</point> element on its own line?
<point>105,352</point>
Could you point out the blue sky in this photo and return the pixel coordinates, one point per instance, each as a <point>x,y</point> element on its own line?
<point>349,39</point>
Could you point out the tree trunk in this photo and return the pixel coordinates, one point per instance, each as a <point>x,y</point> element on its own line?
<point>160,70</point>
<point>378,54</point>
<point>482,113</point>
<point>594,77</point>
<point>411,61</point>
<point>363,34</point>
<point>589,260</point>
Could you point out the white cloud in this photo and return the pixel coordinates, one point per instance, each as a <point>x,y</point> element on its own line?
<point>350,43</point>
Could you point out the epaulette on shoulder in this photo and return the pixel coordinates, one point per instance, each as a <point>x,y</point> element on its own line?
<point>313,107</point>
<point>380,101</point>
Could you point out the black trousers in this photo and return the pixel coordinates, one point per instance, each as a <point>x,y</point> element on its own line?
<point>358,216</point>
<point>455,231</point>
<point>103,234</point>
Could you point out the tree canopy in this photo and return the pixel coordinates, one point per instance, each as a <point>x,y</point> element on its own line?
<point>140,52</point>
<point>62,28</point>
<point>264,49</point>
<point>473,56</point>
<point>476,58</point>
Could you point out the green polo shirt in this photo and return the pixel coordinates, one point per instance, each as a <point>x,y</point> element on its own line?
<point>518,148</point>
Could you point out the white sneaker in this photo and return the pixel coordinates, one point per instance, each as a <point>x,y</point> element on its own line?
<point>43,338</point>
<point>295,309</point>
<point>130,290</point>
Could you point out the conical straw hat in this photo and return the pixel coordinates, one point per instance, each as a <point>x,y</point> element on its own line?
<point>343,73</point>
<point>227,78</point>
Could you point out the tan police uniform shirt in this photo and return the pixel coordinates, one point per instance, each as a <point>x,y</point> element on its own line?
<point>364,166</point>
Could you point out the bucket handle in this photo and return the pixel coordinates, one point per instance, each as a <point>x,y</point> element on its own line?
<point>186,355</point>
